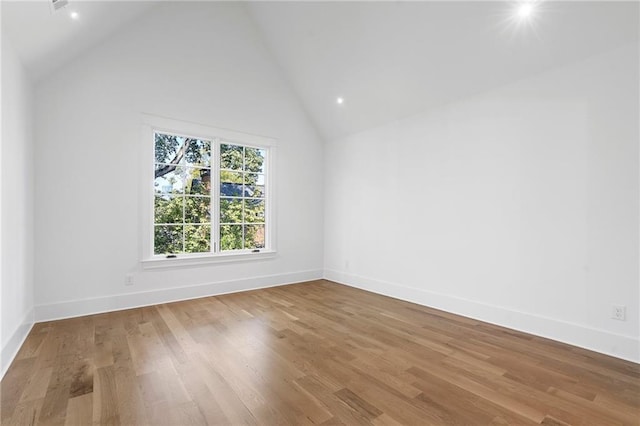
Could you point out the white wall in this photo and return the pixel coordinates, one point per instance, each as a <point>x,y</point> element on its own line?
<point>16,157</point>
<point>518,206</point>
<point>199,62</point>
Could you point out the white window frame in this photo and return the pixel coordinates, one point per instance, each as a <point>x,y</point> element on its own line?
<point>154,124</point>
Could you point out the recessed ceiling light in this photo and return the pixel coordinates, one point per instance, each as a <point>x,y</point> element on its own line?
<point>74,15</point>
<point>340,101</point>
<point>522,15</point>
<point>525,10</point>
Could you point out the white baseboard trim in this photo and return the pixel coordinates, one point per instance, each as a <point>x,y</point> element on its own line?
<point>619,346</point>
<point>14,343</point>
<point>118,302</point>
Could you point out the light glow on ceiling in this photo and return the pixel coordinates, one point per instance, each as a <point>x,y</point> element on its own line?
<point>74,15</point>
<point>523,17</point>
<point>525,10</point>
<point>340,101</point>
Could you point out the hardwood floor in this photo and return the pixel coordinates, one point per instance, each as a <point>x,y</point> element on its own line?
<point>312,353</point>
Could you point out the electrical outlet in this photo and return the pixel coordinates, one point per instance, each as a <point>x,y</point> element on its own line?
<point>128,279</point>
<point>619,312</point>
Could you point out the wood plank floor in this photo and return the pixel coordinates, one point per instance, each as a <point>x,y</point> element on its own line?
<point>311,353</point>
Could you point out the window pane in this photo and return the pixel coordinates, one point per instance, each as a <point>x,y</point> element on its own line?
<point>170,180</point>
<point>198,181</point>
<point>254,179</point>
<point>253,185</point>
<point>231,157</point>
<point>168,209</point>
<point>198,153</point>
<point>253,211</point>
<point>230,210</point>
<point>197,238</point>
<point>167,239</point>
<point>197,210</point>
<point>230,183</point>
<point>169,148</point>
<point>231,237</point>
<point>253,236</point>
<point>254,160</point>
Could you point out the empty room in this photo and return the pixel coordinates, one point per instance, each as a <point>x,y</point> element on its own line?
<point>320,213</point>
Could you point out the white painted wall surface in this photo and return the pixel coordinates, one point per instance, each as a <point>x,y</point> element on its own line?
<point>198,62</point>
<point>16,154</point>
<point>518,206</point>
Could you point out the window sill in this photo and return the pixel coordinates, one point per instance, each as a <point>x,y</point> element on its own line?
<point>205,259</point>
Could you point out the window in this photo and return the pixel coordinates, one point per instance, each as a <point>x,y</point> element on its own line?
<point>182,195</point>
<point>211,192</point>
<point>242,202</point>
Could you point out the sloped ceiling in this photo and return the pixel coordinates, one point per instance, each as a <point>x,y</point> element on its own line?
<point>388,60</point>
<point>45,41</point>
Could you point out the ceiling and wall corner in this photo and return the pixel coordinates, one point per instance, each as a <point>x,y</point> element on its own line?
<point>389,62</point>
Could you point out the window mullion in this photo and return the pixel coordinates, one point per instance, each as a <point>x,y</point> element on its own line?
<point>215,196</point>
<point>244,174</point>
<point>184,220</point>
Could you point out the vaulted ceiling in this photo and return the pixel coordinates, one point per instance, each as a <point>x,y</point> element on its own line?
<point>387,60</point>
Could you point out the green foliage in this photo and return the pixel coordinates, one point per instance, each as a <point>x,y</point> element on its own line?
<point>168,239</point>
<point>231,157</point>
<point>235,157</point>
<point>231,237</point>
<point>254,160</point>
<point>167,147</point>
<point>198,153</point>
<point>253,211</point>
<point>197,238</point>
<point>197,209</point>
<point>230,210</point>
<point>254,236</point>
